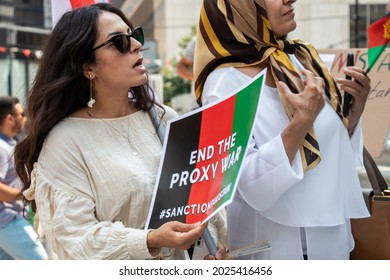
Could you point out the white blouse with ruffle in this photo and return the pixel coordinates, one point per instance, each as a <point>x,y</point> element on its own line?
<point>92,193</point>
<point>276,200</point>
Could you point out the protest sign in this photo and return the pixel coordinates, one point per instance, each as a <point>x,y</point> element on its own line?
<point>202,157</point>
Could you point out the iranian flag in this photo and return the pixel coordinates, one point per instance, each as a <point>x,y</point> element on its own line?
<point>378,38</point>
<point>59,7</point>
<point>202,157</point>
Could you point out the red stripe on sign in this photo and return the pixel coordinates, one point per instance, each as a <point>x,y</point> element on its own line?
<point>80,3</point>
<point>215,134</point>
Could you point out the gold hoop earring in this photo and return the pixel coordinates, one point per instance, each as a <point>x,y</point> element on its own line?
<point>91,100</point>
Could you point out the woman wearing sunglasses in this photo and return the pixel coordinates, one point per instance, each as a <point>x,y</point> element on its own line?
<point>90,157</point>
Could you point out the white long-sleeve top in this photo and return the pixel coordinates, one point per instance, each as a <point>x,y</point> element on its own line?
<point>93,193</point>
<point>276,200</point>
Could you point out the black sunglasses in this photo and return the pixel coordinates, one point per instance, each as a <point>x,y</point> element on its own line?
<point>122,42</point>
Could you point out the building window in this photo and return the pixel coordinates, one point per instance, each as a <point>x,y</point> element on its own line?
<point>361,17</point>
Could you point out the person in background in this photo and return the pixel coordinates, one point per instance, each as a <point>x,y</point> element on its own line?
<point>185,64</point>
<point>18,240</point>
<point>388,9</point>
<point>299,186</point>
<point>90,156</point>
<point>8,194</point>
<point>184,68</point>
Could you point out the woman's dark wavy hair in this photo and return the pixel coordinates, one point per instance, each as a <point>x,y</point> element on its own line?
<point>60,86</point>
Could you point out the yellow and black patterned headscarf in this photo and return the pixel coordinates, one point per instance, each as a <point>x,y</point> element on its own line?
<point>238,33</point>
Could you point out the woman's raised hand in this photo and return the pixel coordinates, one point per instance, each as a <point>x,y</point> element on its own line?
<point>306,105</point>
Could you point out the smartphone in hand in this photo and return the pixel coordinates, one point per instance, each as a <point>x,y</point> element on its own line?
<point>347,97</point>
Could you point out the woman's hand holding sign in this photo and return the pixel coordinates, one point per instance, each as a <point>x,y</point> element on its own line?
<point>175,235</point>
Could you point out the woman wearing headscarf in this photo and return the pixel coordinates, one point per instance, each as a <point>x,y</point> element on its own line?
<point>299,187</point>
